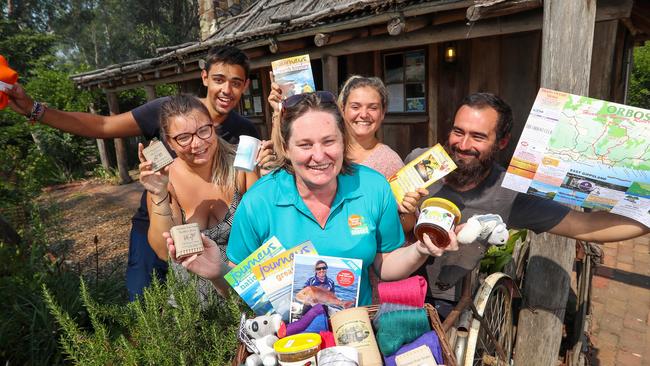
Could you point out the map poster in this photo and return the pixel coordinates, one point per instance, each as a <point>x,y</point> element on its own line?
<point>585,152</point>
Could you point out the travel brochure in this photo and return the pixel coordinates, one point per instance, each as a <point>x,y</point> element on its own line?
<point>242,279</point>
<point>294,75</point>
<point>585,152</point>
<point>330,281</point>
<point>423,171</point>
<point>289,281</point>
<point>275,276</point>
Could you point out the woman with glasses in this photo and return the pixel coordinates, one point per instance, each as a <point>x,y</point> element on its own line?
<point>345,210</point>
<point>200,186</point>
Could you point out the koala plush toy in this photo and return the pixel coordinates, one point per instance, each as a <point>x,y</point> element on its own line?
<point>263,332</point>
<point>488,228</point>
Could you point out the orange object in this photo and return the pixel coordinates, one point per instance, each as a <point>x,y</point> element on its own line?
<point>7,76</point>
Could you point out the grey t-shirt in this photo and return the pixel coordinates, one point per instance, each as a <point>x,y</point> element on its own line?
<point>518,210</point>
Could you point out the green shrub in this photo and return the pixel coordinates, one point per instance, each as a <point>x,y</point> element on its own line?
<point>28,332</point>
<point>151,331</point>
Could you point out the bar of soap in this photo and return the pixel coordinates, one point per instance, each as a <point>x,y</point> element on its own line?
<point>187,239</point>
<point>157,153</point>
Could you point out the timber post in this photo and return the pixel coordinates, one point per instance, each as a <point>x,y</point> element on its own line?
<point>567,42</point>
<point>330,73</point>
<point>120,144</point>
<point>101,146</point>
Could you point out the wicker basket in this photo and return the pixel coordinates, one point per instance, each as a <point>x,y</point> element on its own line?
<point>447,353</point>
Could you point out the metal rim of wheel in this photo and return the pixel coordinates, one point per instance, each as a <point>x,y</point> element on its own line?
<point>493,301</point>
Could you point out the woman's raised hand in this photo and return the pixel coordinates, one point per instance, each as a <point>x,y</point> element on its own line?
<point>266,157</point>
<point>207,264</point>
<point>154,182</point>
<point>275,97</point>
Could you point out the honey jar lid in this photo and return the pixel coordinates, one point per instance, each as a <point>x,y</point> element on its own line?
<point>444,204</point>
<point>297,343</point>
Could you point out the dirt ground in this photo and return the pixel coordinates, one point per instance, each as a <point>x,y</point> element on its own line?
<point>88,208</point>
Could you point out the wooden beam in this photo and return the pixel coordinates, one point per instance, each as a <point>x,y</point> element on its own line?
<point>120,143</point>
<point>102,147</point>
<point>432,93</point>
<point>331,73</point>
<point>150,92</point>
<point>602,67</point>
<point>567,43</point>
<point>548,281</point>
<point>482,11</point>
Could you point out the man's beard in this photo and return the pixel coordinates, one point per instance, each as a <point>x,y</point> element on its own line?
<point>472,171</point>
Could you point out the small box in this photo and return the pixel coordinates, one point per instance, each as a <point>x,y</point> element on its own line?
<point>157,153</point>
<point>187,239</point>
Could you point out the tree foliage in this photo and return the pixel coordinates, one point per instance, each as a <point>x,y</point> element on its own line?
<point>639,89</point>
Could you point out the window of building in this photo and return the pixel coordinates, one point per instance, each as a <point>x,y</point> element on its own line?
<point>251,103</point>
<point>405,76</point>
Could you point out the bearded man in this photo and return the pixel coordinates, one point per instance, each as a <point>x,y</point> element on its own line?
<point>481,129</point>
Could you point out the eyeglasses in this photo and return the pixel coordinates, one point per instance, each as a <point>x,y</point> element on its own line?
<point>321,268</point>
<point>204,132</point>
<point>292,101</point>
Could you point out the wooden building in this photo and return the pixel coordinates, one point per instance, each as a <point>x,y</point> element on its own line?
<point>430,53</point>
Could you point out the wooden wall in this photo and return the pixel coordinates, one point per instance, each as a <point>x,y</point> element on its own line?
<point>507,65</point>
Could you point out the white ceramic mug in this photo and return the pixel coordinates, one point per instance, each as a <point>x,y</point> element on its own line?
<point>246,153</point>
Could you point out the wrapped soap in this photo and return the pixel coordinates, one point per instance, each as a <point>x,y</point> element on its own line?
<point>157,153</point>
<point>187,239</point>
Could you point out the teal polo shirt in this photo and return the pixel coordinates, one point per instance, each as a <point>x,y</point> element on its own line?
<point>363,220</point>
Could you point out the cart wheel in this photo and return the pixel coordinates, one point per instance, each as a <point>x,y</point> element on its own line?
<point>493,302</point>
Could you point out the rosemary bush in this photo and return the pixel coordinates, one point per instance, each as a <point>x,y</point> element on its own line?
<point>152,331</point>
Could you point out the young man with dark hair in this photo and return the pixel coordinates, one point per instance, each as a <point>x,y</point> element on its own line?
<point>481,129</point>
<point>226,78</point>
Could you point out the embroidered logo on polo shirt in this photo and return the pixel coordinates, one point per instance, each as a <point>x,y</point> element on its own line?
<point>357,225</point>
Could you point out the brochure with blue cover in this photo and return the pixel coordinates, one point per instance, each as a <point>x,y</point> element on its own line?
<point>242,279</point>
<point>330,281</point>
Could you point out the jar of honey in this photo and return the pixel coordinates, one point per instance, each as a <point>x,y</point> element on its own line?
<point>437,217</point>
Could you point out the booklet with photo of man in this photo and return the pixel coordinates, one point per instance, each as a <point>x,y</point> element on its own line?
<point>276,276</point>
<point>242,279</point>
<point>330,281</point>
<point>294,75</point>
<point>423,171</point>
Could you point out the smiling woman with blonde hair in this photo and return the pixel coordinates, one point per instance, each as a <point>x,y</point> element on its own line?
<point>345,210</point>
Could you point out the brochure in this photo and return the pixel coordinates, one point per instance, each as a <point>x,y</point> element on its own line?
<point>330,281</point>
<point>276,276</point>
<point>242,279</point>
<point>423,171</point>
<point>585,152</point>
<point>294,75</point>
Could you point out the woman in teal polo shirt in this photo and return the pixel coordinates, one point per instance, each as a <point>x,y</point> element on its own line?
<point>345,210</point>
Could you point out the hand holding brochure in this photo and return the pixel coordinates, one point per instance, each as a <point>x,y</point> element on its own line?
<point>294,75</point>
<point>242,279</point>
<point>427,168</point>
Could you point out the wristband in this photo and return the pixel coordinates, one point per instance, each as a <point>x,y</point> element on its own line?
<point>38,109</point>
<point>161,201</point>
